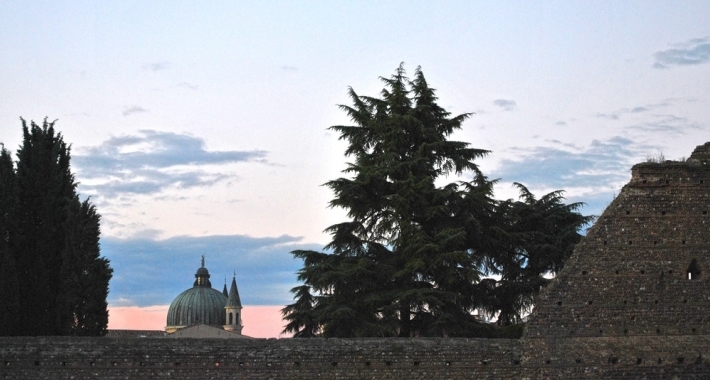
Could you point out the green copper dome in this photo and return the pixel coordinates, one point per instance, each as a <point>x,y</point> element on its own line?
<point>199,305</point>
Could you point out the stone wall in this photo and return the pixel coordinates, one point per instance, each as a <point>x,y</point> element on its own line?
<point>656,357</point>
<point>391,358</point>
<point>634,298</point>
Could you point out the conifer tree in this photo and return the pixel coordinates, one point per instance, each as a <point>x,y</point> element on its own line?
<point>45,186</point>
<point>540,235</point>
<point>411,258</point>
<point>84,274</point>
<point>401,266</point>
<point>9,287</point>
<point>62,282</point>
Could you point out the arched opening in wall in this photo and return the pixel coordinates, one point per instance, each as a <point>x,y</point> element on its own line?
<point>231,319</point>
<point>694,271</point>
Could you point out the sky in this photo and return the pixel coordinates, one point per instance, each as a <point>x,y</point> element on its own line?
<point>201,128</point>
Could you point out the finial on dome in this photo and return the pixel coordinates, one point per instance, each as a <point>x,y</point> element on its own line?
<point>203,261</point>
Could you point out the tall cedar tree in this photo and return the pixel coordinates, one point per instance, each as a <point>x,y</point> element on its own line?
<point>410,260</point>
<point>63,281</point>
<point>540,235</point>
<point>402,265</point>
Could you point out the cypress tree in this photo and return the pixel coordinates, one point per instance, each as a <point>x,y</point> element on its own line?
<point>9,287</point>
<point>62,282</point>
<point>84,274</point>
<point>45,188</point>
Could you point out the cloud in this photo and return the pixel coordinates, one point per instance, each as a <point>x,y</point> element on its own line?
<point>133,109</point>
<point>602,165</point>
<point>188,86</point>
<point>506,105</point>
<point>617,114</point>
<point>289,68</point>
<point>592,175</point>
<point>153,272</point>
<point>156,66</point>
<point>693,52</point>
<point>151,161</point>
<point>668,124</point>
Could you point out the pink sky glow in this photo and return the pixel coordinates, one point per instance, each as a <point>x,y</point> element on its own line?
<point>258,321</point>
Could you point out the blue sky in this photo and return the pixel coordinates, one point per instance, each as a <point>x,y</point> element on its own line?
<point>201,127</point>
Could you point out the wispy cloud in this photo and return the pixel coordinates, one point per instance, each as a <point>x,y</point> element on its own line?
<point>152,161</point>
<point>188,86</point>
<point>156,66</point>
<point>153,272</point>
<point>133,109</point>
<point>505,104</point>
<point>602,165</point>
<point>692,52</point>
<point>668,124</point>
<point>617,114</point>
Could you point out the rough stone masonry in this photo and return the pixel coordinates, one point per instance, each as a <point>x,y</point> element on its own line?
<point>633,302</point>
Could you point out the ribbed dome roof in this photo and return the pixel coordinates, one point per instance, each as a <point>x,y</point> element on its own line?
<point>200,304</point>
<point>197,305</point>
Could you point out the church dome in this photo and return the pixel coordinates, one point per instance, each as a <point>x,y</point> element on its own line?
<point>200,304</point>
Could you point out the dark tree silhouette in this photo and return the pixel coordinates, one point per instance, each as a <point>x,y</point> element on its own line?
<point>401,266</point>
<point>53,242</point>
<point>410,260</point>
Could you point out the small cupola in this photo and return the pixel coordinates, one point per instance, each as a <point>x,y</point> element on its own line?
<point>202,277</point>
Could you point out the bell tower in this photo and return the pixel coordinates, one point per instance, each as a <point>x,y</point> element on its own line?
<point>233,309</point>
